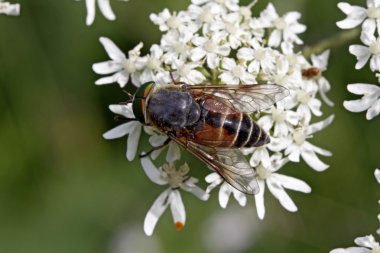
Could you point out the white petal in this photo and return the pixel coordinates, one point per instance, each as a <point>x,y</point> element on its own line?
<point>155,212</point>
<point>224,194</point>
<point>366,241</point>
<point>245,54</point>
<point>361,53</point>
<point>318,150</point>
<point>367,35</point>
<point>374,63</point>
<point>106,80</point>
<point>133,140</point>
<point>106,67</point>
<point>292,183</point>
<point>377,175</point>
<point>275,38</point>
<point>259,200</point>
<point>112,50</point>
<point>174,153</point>
<point>152,172</point>
<point>195,190</point>
<point>90,6</point>
<point>373,111</point>
<point>212,61</point>
<point>313,161</point>
<point>316,127</point>
<point>105,8</point>
<point>240,197</point>
<point>178,209</point>
<point>356,15</point>
<point>118,131</point>
<point>157,140</point>
<point>363,88</point>
<point>281,195</point>
<point>228,64</point>
<point>351,250</point>
<point>210,178</point>
<point>357,105</point>
<point>294,155</point>
<point>197,54</point>
<point>124,110</point>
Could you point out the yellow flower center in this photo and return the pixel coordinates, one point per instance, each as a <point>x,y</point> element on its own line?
<point>373,12</point>
<point>262,172</point>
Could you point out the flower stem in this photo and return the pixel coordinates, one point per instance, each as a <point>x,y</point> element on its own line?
<point>331,42</point>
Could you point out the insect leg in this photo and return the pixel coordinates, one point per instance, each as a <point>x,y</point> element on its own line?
<point>156,148</point>
<point>120,118</point>
<point>174,81</point>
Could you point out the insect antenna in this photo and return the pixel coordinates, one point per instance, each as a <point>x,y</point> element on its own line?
<point>130,97</point>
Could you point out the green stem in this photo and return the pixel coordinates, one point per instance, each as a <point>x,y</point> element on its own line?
<point>332,42</point>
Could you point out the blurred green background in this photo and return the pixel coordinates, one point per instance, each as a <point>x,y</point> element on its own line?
<point>63,188</point>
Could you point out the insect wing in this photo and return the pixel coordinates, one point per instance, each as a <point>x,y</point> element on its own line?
<point>243,98</point>
<point>229,163</point>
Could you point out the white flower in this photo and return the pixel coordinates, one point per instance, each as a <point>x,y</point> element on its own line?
<point>131,128</point>
<point>307,102</point>
<point>105,8</point>
<point>367,244</point>
<point>370,100</point>
<point>371,50</point>
<point>285,28</point>
<point>230,25</point>
<point>357,14</point>
<point>187,72</point>
<point>283,74</point>
<point>9,9</point>
<point>176,180</point>
<point>300,147</point>
<point>260,58</point>
<point>151,64</point>
<point>281,117</point>
<point>176,46</point>
<point>122,67</point>
<point>167,21</point>
<point>235,73</point>
<point>277,183</point>
<point>225,190</point>
<point>209,48</point>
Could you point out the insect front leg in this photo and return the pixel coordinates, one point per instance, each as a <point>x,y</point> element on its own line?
<point>156,148</point>
<point>176,82</point>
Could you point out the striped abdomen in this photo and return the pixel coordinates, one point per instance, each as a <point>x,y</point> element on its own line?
<point>229,130</point>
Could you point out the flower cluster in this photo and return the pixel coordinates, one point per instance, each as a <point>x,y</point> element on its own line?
<point>365,243</point>
<point>9,9</point>
<point>370,51</point>
<point>219,42</point>
<point>105,8</point>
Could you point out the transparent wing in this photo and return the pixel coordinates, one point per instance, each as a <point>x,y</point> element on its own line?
<point>229,163</point>
<point>243,98</point>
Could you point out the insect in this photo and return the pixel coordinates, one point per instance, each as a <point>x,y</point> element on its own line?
<point>311,72</point>
<point>210,121</point>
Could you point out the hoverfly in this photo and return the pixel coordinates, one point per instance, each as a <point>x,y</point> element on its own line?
<point>210,121</point>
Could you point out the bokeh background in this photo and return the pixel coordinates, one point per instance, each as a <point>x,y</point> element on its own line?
<point>63,188</point>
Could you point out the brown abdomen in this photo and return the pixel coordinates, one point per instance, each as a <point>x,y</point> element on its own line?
<point>229,130</point>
